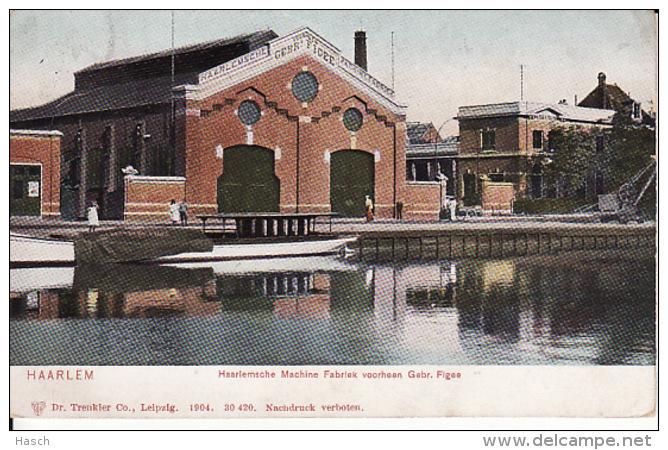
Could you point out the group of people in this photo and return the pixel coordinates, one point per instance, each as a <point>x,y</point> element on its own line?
<point>398,209</point>
<point>178,212</point>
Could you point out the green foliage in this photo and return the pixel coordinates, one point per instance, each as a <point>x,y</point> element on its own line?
<point>574,157</point>
<point>628,148</point>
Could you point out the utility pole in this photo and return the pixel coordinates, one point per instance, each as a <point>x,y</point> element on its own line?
<point>392,42</point>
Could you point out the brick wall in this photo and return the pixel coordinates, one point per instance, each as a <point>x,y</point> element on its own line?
<point>148,198</point>
<point>422,201</point>
<point>43,148</point>
<point>497,198</point>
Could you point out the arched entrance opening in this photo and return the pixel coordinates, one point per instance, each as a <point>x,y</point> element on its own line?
<point>352,178</point>
<point>248,182</point>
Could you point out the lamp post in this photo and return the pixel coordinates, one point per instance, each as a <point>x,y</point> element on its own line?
<point>436,138</point>
<point>443,182</point>
<point>439,175</point>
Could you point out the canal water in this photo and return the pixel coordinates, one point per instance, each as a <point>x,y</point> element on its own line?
<point>577,308</point>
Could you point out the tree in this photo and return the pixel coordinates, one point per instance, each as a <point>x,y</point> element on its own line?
<point>630,148</point>
<point>616,154</point>
<point>573,159</point>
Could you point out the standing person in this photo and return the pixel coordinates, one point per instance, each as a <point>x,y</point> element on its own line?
<point>452,205</point>
<point>369,209</point>
<point>183,212</point>
<point>174,212</point>
<point>93,219</point>
<point>399,210</point>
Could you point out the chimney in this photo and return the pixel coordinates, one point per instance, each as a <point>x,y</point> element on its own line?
<point>360,49</point>
<point>604,97</point>
<point>601,79</point>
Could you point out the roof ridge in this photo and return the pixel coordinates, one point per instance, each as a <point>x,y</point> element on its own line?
<point>177,51</point>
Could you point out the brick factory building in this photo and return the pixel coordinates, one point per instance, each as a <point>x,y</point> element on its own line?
<point>34,173</point>
<point>252,123</point>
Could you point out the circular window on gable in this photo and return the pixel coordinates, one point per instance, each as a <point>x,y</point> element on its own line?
<point>249,112</point>
<point>352,119</point>
<point>305,86</point>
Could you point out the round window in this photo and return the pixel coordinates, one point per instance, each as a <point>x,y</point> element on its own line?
<point>249,112</point>
<point>305,86</point>
<point>352,119</point>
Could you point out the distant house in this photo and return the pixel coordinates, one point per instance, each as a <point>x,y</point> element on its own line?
<point>427,153</point>
<point>612,97</point>
<point>422,133</point>
<point>510,143</point>
<point>425,161</point>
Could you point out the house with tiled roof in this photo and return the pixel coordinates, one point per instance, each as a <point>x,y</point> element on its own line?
<point>428,155</point>
<point>509,143</point>
<point>120,113</point>
<point>422,133</point>
<point>612,97</point>
<point>430,161</point>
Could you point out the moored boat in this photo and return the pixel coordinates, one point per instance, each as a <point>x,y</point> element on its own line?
<point>26,251</point>
<point>261,250</point>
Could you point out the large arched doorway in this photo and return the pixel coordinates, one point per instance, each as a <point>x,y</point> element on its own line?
<point>248,182</point>
<point>352,179</point>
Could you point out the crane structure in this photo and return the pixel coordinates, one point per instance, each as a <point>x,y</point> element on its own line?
<point>622,206</point>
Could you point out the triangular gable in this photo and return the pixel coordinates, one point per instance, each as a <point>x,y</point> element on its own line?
<point>547,112</point>
<point>281,50</point>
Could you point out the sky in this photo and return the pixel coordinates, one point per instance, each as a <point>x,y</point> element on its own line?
<point>442,59</point>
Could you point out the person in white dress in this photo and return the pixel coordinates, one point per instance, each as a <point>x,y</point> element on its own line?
<point>174,212</point>
<point>93,219</point>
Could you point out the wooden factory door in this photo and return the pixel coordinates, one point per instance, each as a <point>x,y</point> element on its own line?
<point>248,182</point>
<point>352,179</point>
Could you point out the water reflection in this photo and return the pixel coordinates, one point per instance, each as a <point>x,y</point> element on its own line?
<point>592,308</point>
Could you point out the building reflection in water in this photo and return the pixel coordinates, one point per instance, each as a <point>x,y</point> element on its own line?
<point>562,308</point>
<point>575,308</point>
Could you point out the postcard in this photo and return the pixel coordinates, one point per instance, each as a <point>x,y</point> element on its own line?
<point>292,214</point>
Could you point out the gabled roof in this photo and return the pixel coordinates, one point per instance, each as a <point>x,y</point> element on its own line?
<point>253,40</point>
<point>146,80</point>
<point>152,91</point>
<point>299,43</point>
<point>531,109</point>
<point>419,133</point>
<point>142,80</point>
<point>612,97</point>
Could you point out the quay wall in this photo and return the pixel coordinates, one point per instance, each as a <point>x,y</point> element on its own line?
<point>495,243</point>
